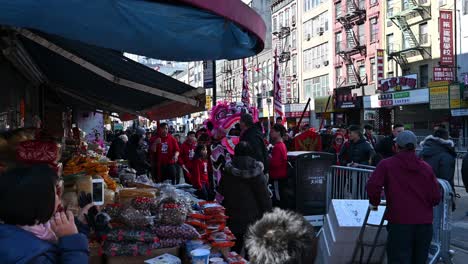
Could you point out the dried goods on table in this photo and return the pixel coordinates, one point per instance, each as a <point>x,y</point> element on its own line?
<point>183,231</point>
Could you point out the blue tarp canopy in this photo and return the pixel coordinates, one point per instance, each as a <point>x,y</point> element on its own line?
<point>74,81</point>
<point>178,30</point>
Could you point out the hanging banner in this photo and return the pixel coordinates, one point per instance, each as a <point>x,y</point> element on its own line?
<point>439,98</point>
<point>395,84</point>
<point>380,67</point>
<point>443,74</point>
<point>446,37</point>
<point>245,85</point>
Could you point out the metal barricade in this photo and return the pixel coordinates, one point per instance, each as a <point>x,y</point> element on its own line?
<point>350,183</point>
<point>347,183</point>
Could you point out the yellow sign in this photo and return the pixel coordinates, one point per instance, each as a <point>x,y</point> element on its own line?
<point>456,100</point>
<point>208,103</point>
<point>321,104</point>
<point>439,97</point>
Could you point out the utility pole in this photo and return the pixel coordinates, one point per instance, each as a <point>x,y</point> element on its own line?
<point>214,83</point>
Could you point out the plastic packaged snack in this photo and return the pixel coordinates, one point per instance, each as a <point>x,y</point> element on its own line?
<point>183,231</point>
<point>171,212</point>
<point>113,210</point>
<point>126,249</point>
<point>137,218</point>
<point>134,235</point>
<point>171,242</point>
<point>142,203</point>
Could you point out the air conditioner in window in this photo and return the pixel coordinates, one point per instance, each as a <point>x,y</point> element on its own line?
<point>325,62</point>
<point>317,65</point>
<point>308,37</point>
<point>320,31</point>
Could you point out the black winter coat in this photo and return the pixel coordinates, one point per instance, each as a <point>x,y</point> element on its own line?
<point>117,149</point>
<point>245,191</point>
<point>441,155</point>
<point>464,171</point>
<point>385,147</point>
<point>360,152</point>
<point>136,156</point>
<point>255,139</point>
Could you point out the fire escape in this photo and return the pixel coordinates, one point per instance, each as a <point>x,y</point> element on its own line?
<point>354,16</point>
<point>412,45</point>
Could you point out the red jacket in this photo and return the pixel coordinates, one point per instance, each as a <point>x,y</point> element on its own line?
<point>279,162</point>
<point>411,189</point>
<point>199,172</point>
<point>187,150</point>
<point>166,150</point>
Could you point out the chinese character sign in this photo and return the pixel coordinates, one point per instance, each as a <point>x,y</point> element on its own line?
<point>446,38</point>
<point>400,83</point>
<point>443,74</point>
<point>380,67</point>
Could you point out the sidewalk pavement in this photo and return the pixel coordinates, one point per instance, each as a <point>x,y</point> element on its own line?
<point>460,228</point>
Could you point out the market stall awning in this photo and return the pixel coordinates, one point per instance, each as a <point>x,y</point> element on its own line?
<point>179,30</point>
<point>89,75</point>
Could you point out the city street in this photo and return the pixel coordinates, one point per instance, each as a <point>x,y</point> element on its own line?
<point>460,228</point>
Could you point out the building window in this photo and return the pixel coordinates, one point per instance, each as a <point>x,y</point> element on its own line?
<point>362,34</point>
<point>270,70</point>
<point>293,39</point>
<point>294,64</point>
<point>373,2</point>
<point>374,29</point>
<point>338,76</point>
<point>423,34</point>
<point>406,4</point>
<point>286,18</point>
<point>362,73</point>
<point>424,73</point>
<point>406,42</point>
<point>311,4</point>
<point>465,7</point>
<point>338,9</point>
<point>373,69</point>
<point>275,26</point>
<point>293,15</point>
<point>281,22</point>
<point>338,42</point>
<point>308,30</point>
<point>390,43</point>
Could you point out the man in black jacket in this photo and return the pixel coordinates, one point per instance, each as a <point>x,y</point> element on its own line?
<point>254,137</point>
<point>117,148</point>
<point>386,147</point>
<point>359,151</point>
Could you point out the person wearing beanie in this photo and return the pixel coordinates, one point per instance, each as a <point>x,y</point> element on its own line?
<point>412,191</point>
<point>358,151</point>
<point>281,237</point>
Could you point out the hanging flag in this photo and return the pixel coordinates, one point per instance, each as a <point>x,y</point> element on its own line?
<point>245,85</point>
<point>278,105</point>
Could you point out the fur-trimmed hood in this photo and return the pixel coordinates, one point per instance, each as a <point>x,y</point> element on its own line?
<point>434,145</point>
<point>244,167</point>
<point>281,237</point>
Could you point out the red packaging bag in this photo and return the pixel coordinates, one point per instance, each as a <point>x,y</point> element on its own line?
<point>36,151</point>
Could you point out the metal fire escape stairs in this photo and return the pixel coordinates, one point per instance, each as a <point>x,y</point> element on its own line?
<point>354,16</point>
<point>414,45</point>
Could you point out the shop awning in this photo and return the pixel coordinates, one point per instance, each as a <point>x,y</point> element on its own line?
<point>103,78</point>
<point>179,30</point>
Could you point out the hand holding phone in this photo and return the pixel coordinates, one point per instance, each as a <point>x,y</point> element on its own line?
<point>98,191</point>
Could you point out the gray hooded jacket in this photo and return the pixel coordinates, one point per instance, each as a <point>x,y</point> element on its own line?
<point>441,155</point>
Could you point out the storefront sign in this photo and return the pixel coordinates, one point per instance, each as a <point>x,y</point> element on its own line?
<point>455,97</point>
<point>208,102</point>
<point>380,67</point>
<point>419,96</point>
<point>459,112</point>
<point>443,74</point>
<point>395,84</point>
<point>297,114</point>
<point>446,37</point>
<point>439,98</point>
<point>321,104</point>
<point>345,99</point>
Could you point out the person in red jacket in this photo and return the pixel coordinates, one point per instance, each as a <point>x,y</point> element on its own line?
<point>278,167</point>
<point>187,151</point>
<point>412,191</point>
<point>166,154</point>
<point>199,171</point>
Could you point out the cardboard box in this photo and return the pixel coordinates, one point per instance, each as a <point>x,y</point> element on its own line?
<point>139,260</point>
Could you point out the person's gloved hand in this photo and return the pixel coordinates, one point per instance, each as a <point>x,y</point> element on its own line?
<point>88,210</point>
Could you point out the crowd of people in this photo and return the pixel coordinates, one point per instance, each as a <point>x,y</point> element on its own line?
<point>253,189</point>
